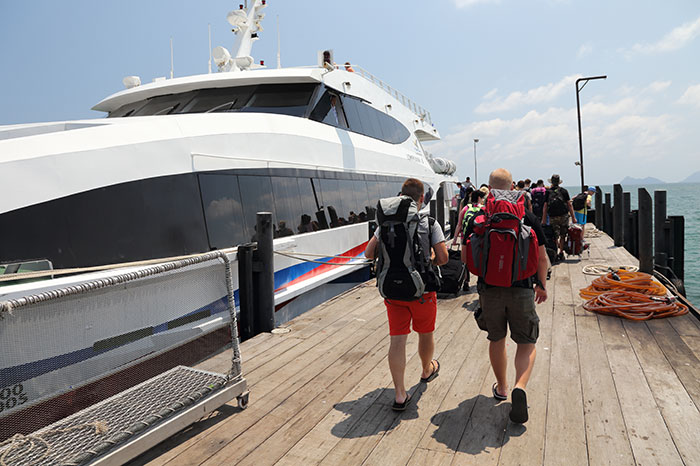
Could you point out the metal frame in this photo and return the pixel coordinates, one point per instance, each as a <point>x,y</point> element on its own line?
<point>152,437</point>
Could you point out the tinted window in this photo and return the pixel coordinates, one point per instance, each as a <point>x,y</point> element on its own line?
<point>223,210</point>
<point>164,104</point>
<point>256,196</point>
<point>329,110</point>
<point>126,110</point>
<point>365,119</point>
<point>308,207</point>
<point>218,100</point>
<point>352,112</point>
<point>287,205</point>
<point>288,99</point>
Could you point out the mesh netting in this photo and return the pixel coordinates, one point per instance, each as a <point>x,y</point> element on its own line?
<point>68,344</point>
<point>93,431</point>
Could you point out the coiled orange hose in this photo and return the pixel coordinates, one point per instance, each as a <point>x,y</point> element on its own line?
<point>635,306</point>
<point>623,280</point>
<point>632,295</point>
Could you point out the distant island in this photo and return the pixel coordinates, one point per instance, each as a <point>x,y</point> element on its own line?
<point>647,180</point>
<point>694,178</point>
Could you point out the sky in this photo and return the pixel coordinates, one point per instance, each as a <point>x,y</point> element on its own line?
<point>502,71</point>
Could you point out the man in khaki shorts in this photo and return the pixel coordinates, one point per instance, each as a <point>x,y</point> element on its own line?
<point>514,307</point>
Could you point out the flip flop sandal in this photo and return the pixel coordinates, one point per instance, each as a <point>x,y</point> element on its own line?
<point>497,395</point>
<point>401,406</point>
<point>434,374</point>
<point>518,412</point>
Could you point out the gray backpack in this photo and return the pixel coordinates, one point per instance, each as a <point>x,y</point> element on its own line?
<point>402,269</point>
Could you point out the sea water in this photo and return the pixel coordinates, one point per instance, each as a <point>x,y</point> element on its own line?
<point>682,199</point>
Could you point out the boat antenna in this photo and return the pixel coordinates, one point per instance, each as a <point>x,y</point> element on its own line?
<point>279,61</point>
<point>209,48</point>
<point>172,71</point>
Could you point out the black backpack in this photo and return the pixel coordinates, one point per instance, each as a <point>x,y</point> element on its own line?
<point>579,202</point>
<point>404,271</point>
<point>539,196</point>
<point>556,205</point>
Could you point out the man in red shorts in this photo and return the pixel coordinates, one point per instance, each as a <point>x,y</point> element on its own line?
<point>421,312</point>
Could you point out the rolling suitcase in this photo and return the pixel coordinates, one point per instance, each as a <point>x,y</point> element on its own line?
<point>453,275</point>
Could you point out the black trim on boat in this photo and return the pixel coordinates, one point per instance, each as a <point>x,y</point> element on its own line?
<point>185,214</point>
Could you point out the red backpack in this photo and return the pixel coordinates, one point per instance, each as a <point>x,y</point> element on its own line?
<point>501,249</point>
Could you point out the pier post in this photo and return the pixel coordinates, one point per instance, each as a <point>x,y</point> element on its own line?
<point>645,225</point>
<point>440,197</point>
<point>618,216</point>
<point>265,283</point>
<point>599,215</point>
<point>660,245</point>
<point>246,297</point>
<point>678,242</point>
<point>608,222</point>
<point>626,216</point>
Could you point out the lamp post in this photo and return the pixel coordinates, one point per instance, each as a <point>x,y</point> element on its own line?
<point>476,183</point>
<point>578,109</point>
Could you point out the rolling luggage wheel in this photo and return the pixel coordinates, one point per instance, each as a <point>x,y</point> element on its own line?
<point>243,400</point>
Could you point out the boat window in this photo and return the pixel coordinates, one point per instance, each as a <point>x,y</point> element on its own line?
<point>223,210</point>
<point>329,110</point>
<point>126,110</point>
<point>163,104</point>
<point>286,99</point>
<point>218,99</point>
<point>367,120</point>
<point>256,195</point>
<point>287,205</point>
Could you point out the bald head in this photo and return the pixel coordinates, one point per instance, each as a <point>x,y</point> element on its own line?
<point>501,178</point>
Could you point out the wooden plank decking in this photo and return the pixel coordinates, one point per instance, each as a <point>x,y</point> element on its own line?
<point>603,391</point>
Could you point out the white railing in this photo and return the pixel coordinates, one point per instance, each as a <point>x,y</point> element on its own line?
<point>417,109</point>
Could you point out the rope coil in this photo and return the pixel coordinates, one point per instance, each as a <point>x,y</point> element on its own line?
<point>632,295</point>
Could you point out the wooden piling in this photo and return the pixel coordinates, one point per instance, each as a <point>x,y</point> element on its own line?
<point>599,215</point>
<point>645,225</point>
<point>626,220</point>
<point>246,296</point>
<point>265,283</point>
<point>678,242</point>
<point>618,216</point>
<point>608,222</point>
<point>660,246</point>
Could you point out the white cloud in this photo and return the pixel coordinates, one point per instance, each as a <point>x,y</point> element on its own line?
<point>538,95</point>
<point>630,135</point>
<point>658,86</point>
<point>490,94</point>
<point>691,96</point>
<point>468,3</point>
<point>585,50</point>
<point>674,40</point>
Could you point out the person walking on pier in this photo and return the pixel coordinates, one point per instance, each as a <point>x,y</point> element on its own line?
<point>422,311</point>
<point>558,207</point>
<point>503,306</point>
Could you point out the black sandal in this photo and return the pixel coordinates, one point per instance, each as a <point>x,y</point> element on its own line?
<point>401,406</point>
<point>497,395</point>
<point>434,374</point>
<point>518,412</point>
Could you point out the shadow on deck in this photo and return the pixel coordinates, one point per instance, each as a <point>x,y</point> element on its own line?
<point>603,390</point>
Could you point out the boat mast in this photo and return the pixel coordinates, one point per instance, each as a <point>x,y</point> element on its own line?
<point>246,26</point>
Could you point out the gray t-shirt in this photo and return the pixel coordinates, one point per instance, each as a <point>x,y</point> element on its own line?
<point>437,235</point>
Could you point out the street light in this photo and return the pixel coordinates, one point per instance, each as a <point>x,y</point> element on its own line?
<point>578,109</point>
<point>476,183</point>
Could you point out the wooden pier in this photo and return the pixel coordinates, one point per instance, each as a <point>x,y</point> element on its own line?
<point>603,390</point>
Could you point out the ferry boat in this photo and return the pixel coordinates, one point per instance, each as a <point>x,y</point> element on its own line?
<point>180,166</point>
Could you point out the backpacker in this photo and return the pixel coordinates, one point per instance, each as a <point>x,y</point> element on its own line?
<point>403,269</point>
<point>574,244</point>
<point>556,205</point>
<point>452,275</point>
<point>539,196</point>
<point>579,201</point>
<point>502,249</point>
<point>471,211</point>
